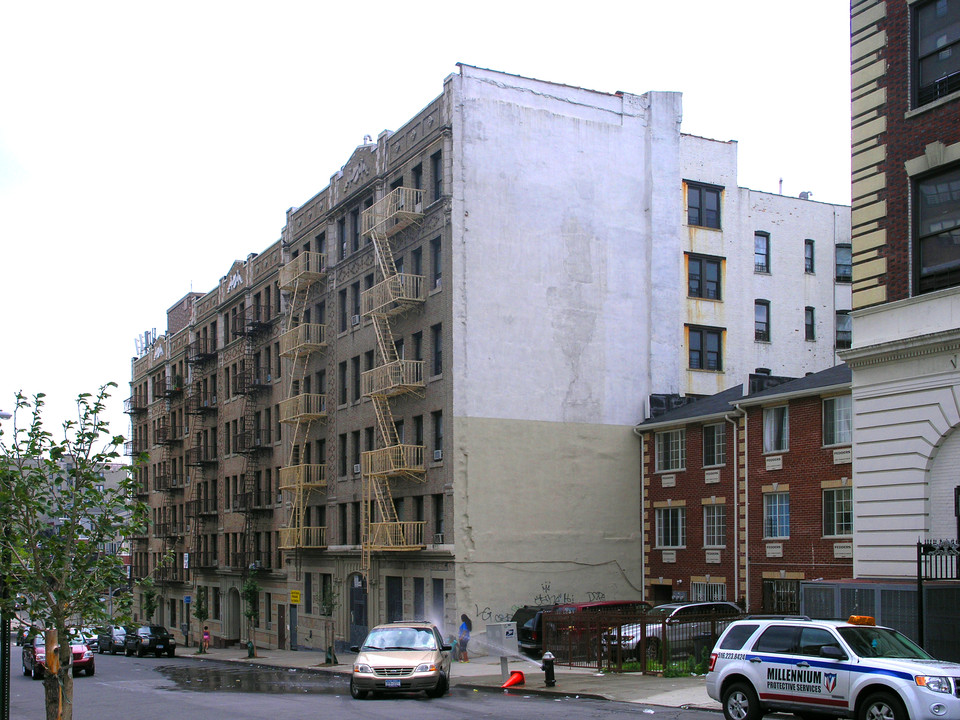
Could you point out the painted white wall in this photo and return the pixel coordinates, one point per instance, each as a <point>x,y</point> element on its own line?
<point>789,221</point>
<point>906,391</point>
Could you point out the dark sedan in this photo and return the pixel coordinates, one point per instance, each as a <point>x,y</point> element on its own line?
<point>154,639</point>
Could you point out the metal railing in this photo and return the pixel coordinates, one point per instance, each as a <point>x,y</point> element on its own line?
<point>393,460</point>
<point>396,535</point>
<point>393,378</point>
<point>307,476</point>
<point>393,212</point>
<point>308,337</point>
<point>392,295</point>
<point>303,407</point>
<point>306,268</point>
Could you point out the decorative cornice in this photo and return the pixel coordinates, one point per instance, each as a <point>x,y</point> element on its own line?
<point>945,341</point>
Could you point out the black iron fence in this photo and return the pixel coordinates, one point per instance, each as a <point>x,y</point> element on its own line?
<point>621,642</point>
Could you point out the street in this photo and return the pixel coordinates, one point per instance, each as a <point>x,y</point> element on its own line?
<point>185,688</point>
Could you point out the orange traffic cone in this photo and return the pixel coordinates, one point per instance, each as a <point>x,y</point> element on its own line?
<point>516,678</point>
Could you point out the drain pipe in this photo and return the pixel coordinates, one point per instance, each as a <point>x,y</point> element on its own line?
<point>746,502</point>
<point>736,505</point>
<point>643,470</point>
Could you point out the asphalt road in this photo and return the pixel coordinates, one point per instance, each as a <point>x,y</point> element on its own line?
<point>184,689</point>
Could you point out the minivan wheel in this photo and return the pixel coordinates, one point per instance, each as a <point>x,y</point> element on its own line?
<point>440,690</point>
<point>355,692</point>
<point>740,702</point>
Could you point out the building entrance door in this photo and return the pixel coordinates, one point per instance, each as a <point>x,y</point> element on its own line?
<point>281,627</point>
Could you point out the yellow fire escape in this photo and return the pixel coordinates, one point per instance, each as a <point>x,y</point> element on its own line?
<point>302,409</point>
<point>381,529</point>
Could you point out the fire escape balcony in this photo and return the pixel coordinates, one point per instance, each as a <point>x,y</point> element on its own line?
<point>394,536</point>
<point>309,538</point>
<point>394,460</point>
<point>253,320</point>
<point>170,530</point>
<point>200,403</point>
<point>134,447</point>
<point>168,434</point>
<point>305,269</point>
<point>142,492</point>
<point>394,295</point>
<point>395,378</point>
<point>253,440</point>
<point>308,477</point>
<point>303,408</point>
<point>252,381</point>
<point>202,455</point>
<point>396,210</point>
<point>254,500</point>
<point>173,386</point>
<point>168,479</point>
<point>136,403</point>
<point>203,560</point>
<point>305,338</point>
<point>201,350</point>
<point>138,571</point>
<point>171,575</point>
<point>206,507</point>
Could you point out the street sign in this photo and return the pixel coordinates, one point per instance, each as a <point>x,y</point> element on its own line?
<point>187,599</point>
<point>294,597</point>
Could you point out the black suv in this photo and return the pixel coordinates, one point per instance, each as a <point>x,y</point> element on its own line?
<point>529,620</point>
<point>149,639</point>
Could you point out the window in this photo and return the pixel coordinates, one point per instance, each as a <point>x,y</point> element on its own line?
<point>776,515</point>
<point>343,310</point>
<point>705,349</point>
<point>342,237</point>
<point>437,433</point>
<point>838,420</point>
<point>671,527</point>
<point>776,429</point>
<point>844,329</point>
<point>671,450</point>
<point>779,597</point>
<point>355,367</point>
<point>761,320</point>
<point>808,265</point>
<point>938,228</point>
<point>703,205</point>
<point>809,323</point>
<point>838,511</point>
<point>703,277</point>
<point>436,170</point>
<point>354,229</point>
<point>844,263</point>
<point>436,260</point>
<point>708,592</point>
<point>761,252</point>
<point>937,53</point>
<point>437,349</point>
<point>342,381</point>
<point>714,526</point>
<point>308,593</point>
<point>418,177</point>
<point>416,260</point>
<point>714,445</point>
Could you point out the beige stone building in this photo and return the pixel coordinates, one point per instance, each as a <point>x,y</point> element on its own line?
<point>419,402</point>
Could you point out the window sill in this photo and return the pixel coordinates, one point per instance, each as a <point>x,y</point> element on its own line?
<point>932,105</point>
<point>776,539</point>
<point>670,471</point>
<point>706,370</point>
<point>670,547</point>
<point>714,467</point>
<point>705,227</point>
<point>703,297</point>
<point>775,452</point>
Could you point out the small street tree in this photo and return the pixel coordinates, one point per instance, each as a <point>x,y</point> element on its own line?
<point>200,611</point>
<point>58,519</point>
<point>150,599</point>
<point>251,608</point>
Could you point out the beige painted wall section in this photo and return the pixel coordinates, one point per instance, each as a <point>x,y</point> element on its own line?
<point>544,512</point>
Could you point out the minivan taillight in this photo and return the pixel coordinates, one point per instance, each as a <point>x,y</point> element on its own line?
<point>713,661</point>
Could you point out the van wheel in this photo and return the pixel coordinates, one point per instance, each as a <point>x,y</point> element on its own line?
<point>882,706</point>
<point>355,692</point>
<point>440,690</point>
<point>740,702</point>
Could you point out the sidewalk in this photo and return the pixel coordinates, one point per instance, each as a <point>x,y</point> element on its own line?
<point>483,673</point>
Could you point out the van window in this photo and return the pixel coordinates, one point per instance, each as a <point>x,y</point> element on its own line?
<point>737,636</point>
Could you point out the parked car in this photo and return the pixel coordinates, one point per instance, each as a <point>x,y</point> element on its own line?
<point>145,639</point>
<point>89,637</point>
<point>828,668</point>
<point>401,657</point>
<point>683,625</point>
<point>22,634</point>
<point>529,620</point>
<point>34,656</point>
<point>110,639</point>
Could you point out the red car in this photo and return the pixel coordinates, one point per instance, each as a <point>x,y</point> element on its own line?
<point>34,658</point>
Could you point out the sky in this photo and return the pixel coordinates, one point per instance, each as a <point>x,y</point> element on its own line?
<point>145,146</point>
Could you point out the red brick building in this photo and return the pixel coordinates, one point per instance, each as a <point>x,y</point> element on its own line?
<point>747,495</point>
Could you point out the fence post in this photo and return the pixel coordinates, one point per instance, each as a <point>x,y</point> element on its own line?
<point>920,593</point>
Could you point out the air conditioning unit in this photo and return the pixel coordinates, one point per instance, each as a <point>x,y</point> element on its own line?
<point>438,539</point>
<point>356,320</point>
<point>418,207</point>
<point>438,455</point>
<point>437,283</point>
<point>356,469</point>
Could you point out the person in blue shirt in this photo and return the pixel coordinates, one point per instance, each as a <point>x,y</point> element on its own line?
<point>464,637</point>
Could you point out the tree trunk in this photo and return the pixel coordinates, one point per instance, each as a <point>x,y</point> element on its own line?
<point>57,679</point>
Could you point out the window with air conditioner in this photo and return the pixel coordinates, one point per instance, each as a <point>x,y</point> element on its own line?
<point>356,469</point>
<point>438,455</point>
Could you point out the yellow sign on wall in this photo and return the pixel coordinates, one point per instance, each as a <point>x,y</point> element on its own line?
<point>294,597</point>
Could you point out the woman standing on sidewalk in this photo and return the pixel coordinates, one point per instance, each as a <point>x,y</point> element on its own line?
<point>464,637</point>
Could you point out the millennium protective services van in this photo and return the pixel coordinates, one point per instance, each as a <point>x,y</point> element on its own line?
<point>822,668</point>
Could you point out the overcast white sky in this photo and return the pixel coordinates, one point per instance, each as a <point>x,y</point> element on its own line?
<point>145,146</point>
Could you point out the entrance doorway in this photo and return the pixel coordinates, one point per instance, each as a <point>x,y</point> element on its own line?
<point>358,609</point>
<point>281,626</point>
<point>232,620</point>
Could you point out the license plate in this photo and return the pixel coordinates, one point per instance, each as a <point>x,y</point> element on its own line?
<point>159,647</point>
<point>392,683</point>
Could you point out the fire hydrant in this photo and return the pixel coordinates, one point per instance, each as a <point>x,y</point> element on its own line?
<point>250,649</point>
<point>547,667</point>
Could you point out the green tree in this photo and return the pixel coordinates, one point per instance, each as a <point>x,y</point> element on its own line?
<point>59,518</point>
<point>149,598</point>
<point>251,607</point>
<point>201,611</point>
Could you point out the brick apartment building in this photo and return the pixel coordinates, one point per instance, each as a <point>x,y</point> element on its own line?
<point>419,402</point>
<point>749,493</point>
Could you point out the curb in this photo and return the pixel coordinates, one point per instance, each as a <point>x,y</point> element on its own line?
<point>517,690</point>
